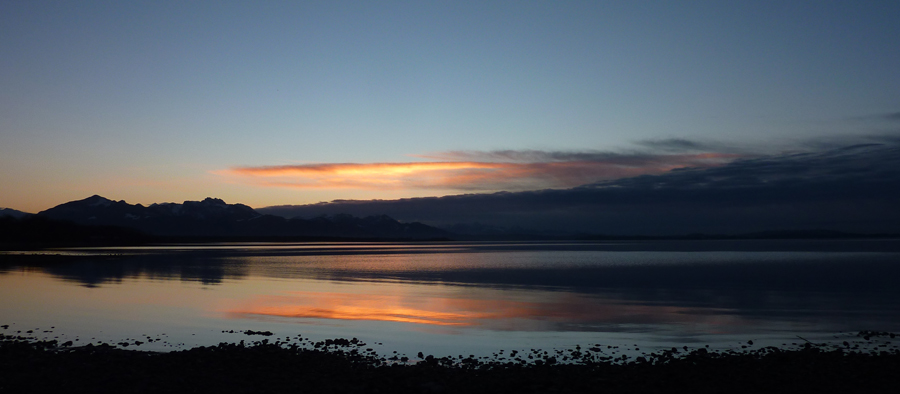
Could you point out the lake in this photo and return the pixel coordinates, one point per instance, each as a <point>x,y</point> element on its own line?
<point>450,298</point>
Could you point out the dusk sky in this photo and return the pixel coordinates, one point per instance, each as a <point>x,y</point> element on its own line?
<point>275,103</point>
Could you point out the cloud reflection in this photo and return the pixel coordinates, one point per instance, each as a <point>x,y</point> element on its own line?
<point>497,310</point>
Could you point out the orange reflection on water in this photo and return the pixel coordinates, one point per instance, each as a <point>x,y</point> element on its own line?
<point>346,306</point>
<point>496,310</point>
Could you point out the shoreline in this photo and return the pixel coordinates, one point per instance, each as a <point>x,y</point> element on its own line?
<point>346,365</point>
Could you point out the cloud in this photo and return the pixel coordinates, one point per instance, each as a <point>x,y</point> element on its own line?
<point>838,164</point>
<point>374,176</point>
<point>888,116</point>
<point>508,170</point>
<point>852,188</point>
<point>682,145</point>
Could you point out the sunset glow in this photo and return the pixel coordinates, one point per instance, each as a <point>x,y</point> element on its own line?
<point>470,175</point>
<point>296,103</point>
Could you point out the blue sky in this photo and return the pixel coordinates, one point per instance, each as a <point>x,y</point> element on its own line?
<point>162,101</point>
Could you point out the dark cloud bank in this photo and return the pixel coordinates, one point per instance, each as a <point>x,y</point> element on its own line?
<point>852,188</point>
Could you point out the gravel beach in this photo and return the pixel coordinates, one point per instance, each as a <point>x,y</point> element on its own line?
<point>338,366</point>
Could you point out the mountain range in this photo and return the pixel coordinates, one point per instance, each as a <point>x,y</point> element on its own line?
<point>214,218</point>
<point>99,220</point>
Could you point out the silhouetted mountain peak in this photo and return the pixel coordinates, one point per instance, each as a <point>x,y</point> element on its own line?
<point>213,201</point>
<point>97,201</point>
<point>12,212</point>
<point>89,209</point>
<point>216,208</point>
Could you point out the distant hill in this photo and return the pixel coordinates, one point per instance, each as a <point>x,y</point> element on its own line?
<point>214,218</point>
<point>12,212</point>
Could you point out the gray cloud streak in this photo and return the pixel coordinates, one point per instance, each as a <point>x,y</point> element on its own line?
<point>892,116</point>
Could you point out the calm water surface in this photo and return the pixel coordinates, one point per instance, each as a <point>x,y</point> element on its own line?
<point>461,298</point>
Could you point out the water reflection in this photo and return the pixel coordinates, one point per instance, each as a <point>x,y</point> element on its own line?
<point>93,271</point>
<point>491,309</point>
<point>568,288</point>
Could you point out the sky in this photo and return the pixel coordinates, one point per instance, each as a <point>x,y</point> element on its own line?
<point>300,102</point>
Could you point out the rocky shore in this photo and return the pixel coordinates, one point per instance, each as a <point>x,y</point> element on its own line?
<point>340,366</point>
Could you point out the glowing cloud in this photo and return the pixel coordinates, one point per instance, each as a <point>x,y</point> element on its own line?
<point>477,171</point>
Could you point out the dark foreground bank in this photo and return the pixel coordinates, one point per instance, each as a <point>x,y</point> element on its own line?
<point>46,366</point>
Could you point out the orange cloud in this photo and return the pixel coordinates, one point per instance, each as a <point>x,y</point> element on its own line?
<point>527,170</point>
